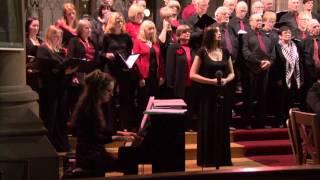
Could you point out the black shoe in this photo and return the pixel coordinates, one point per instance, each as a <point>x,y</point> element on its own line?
<point>81,173</point>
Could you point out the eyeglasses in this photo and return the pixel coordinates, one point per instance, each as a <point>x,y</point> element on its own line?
<point>186,31</point>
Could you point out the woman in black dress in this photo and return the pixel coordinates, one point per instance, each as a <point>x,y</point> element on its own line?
<point>213,148</point>
<point>117,46</point>
<point>33,41</point>
<point>93,132</point>
<point>54,76</point>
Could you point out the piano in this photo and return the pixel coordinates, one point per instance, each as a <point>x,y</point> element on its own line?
<point>162,131</point>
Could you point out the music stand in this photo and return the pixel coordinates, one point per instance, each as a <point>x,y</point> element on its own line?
<point>166,132</point>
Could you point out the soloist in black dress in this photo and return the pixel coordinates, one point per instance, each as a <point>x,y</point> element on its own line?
<point>213,147</point>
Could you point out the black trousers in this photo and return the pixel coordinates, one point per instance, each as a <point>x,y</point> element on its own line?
<point>257,98</point>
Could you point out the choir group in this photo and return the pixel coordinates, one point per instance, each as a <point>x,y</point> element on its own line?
<point>270,57</point>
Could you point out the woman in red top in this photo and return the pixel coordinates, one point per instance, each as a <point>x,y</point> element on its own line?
<point>150,63</point>
<point>179,61</point>
<point>81,47</point>
<point>135,15</point>
<point>68,23</point>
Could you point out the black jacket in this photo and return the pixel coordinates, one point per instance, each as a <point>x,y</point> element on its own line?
<point>253,54</point>
<point>77,50</point>
<point>176,69</point>
<point>279,66</point>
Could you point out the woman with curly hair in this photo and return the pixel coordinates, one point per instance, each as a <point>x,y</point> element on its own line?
<point>92,131</point>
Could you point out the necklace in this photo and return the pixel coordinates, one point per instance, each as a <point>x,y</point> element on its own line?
<point>35,41</point>
<point>216,54</point>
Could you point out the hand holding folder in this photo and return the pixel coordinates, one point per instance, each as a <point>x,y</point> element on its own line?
<point>205,21</point>
<point>129,62</point>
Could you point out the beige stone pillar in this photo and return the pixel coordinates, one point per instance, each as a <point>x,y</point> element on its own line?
<point>25,152</point>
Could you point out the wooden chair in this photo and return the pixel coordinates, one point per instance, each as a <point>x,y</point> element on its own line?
<point>305,134</point>
<point>293,139</point>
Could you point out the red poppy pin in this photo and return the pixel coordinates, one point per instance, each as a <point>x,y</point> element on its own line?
<point>180,51</point>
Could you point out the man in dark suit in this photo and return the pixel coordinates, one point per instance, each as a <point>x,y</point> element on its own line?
<point>310,56</point>
<point>240,22</point>
<point>290,18</point>
<point>313,96</point>
<point>240,25</point>
<point>201,7</point>
<point>259,54</point>
<point>229,40</point>
<point>231,5</point>
<point>268,5</point>
<point>301,32</point>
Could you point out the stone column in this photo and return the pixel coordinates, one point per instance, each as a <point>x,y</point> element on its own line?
<point>25,152</point>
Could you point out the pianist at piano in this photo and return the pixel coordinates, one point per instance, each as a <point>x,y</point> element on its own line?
<point>91,130</point>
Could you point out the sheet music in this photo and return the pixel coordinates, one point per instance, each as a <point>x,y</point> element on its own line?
<point>242,31</point>
<point>130,60</point>
<point>165,111</point>
<point>169,103</point>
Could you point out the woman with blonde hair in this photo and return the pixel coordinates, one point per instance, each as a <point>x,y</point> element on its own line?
<point>117,46</point>
<point>54,76</point>
<point>82,47</point>
<point>135,17</point>
<point>68,23</point>
<point>149,64</point>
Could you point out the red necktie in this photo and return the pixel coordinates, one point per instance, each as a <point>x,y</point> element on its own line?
<point>315,51</point>
<point>228,41</point>
<point>241,24</point>
<point>303,35</point>
<point>261,43</point>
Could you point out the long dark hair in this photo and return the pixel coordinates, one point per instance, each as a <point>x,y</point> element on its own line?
<point>28,23</point>
<point>101,8</point>
<point>209,38</point>
<point>96,84</point>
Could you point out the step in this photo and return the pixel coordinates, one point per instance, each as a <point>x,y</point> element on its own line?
<point>266,147</point>
<point>274,160</point>
<point>259,134</point>
<point>191,151</point>
<point>191,137</point>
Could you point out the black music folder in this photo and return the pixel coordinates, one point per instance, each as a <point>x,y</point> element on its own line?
<point>84,64</point>
<point>205,21</point>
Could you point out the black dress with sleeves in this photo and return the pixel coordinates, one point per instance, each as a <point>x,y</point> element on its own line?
<point>52,97</point>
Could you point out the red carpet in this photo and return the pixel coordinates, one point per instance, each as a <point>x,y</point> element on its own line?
<point>270,147</point>
<point>260,134</point>
<point>275,160</point>
<point>266,147</point>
